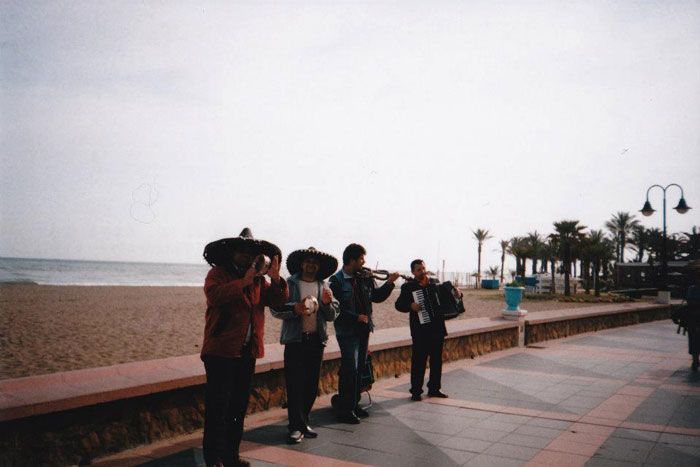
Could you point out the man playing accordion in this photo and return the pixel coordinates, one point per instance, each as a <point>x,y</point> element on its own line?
<point>420,298</point>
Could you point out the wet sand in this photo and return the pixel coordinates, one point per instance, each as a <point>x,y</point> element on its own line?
<point>45,329</point>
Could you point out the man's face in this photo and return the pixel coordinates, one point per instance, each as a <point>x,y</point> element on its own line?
<point>310,266</point>
<point>418,271</point>
<point>356,264</point>
<point>243,259</point>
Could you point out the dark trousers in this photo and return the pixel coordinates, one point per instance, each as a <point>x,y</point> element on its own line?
<point>302,367</point>
<point>425,346</point>
<point>694,339</point>
<point>353,356</point>
<point>226,403</point>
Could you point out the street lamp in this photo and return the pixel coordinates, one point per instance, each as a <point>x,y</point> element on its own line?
<point>647,210</point>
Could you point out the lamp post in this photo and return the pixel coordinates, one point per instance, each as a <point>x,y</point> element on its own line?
<point>647,210</point>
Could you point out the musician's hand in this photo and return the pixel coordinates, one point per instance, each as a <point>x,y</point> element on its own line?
<point>274,271</point>
<point>363,319</point>
<point>300,309</point>
<point>415,307</point>
<point>249,276</point>
<point>326,296</point>
<point>392,277</point>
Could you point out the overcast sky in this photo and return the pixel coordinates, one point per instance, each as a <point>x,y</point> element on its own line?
<point>140,131</point>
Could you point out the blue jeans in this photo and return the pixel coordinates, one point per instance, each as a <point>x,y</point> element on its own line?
<point>353,356</point>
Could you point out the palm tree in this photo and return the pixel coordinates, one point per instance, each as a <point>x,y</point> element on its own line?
<point>585,254</point>
<point>640,241</point>
<point>493,271</point>
<point>504,246</point>
<point>481,236</point>
<point>519,249</point>
<point>690,245</point>
<point>551,250</point>
<point>599,250</point>
<point>534,243</point>
<point>620,226</point>
<point>568,235</point>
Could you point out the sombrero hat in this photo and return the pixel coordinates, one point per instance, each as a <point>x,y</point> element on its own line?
<point>220,252</point>
<point>327,267</point>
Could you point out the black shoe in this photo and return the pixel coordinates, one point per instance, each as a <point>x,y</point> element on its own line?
<point>437,393</point>
<point>416,397</point>
<point>295,437</point>
<point>695,366</point>
<point>362,413</point>
<point>310,433</point>
<point>348,417</point>
<point>238,463</point>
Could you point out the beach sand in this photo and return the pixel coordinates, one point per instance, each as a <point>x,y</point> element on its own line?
<point>45,329</point>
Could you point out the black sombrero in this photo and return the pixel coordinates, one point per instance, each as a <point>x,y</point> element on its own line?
<point>328,262</point>
<point>220,252</point>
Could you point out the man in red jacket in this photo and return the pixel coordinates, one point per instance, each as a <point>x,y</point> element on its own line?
<point>237,294</point>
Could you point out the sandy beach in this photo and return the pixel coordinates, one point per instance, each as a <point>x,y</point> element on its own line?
<point>44,329</point>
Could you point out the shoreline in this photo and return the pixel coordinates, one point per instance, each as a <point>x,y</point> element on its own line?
<point>50,328</point>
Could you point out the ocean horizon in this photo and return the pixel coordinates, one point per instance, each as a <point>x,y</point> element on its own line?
<point>41,271</point>
<point>100,273</point>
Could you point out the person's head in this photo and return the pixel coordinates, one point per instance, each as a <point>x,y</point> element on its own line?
<point>354,257</point>
<point>418,269</point>
<point>310,266</point>
<point>243,257</point>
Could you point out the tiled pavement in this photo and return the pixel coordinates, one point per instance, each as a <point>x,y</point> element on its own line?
<point>619,397</point>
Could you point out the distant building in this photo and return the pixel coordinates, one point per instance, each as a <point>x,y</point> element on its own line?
<point>645,275</point>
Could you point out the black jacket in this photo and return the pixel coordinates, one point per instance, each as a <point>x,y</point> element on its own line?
<point>346,323</point>
<point>403,304</point>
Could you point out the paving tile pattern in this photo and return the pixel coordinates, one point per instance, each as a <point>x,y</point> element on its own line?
<point>615,398</point>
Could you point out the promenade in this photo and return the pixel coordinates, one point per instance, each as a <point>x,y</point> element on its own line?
<point>618,397</point>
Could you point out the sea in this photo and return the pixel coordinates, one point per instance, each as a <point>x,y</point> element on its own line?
<point>69,272</point>
<point>74,272</point>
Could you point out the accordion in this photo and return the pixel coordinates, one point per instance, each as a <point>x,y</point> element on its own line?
<point>445,303</point>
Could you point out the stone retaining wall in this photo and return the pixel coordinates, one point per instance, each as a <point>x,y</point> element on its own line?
<point>546,330</point>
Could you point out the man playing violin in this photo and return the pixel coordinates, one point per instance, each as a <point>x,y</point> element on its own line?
<point>355,294</point>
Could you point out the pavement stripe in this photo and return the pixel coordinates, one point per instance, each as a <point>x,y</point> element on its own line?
<point>283,456</point>
<point>679,387</point>
<point>549,375</point>
<point>483,406</point>
<point>583,439</point>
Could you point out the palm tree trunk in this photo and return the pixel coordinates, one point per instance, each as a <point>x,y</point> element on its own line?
<point>503,263</point>
<point>478,269</point>
<point>534,266</point>
<point>622,247</point>
<point>554,277</point>
<point>567,266</point>
<point>596,282</point>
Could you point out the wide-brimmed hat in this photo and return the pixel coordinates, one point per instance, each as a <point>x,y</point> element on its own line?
<point>327,267</point>
<point>220,252</point>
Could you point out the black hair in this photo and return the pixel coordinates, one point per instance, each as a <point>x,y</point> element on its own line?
<point>414,262</point>
<point>353,251</point>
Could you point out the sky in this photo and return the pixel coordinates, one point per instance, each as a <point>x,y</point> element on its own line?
<point>141,131</point>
